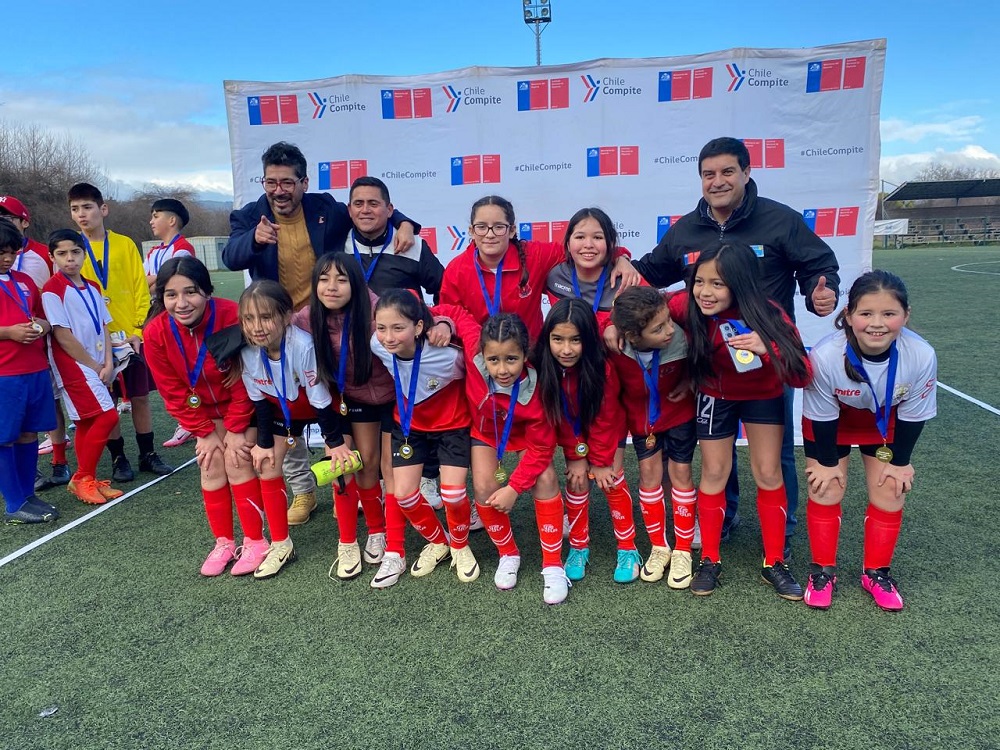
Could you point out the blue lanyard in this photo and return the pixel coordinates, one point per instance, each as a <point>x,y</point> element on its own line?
<point>20,256</point>
<point>598,294</point>
<point>88,299</point>
<point>199,364</point>
<point>652,378</point>
<point>573,420</point>
<point>282,394</point>
<point>345,341</point>
<point>737,324</point>
<point>159,250</point>
<point>20,300</point>
<point>375,258</point>
<point>101,269</point>
<point>508,421</point>
<point>406,405</point>
<point>492,305</point>
<point>881,410</point>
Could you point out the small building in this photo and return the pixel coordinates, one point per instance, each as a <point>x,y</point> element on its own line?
<point>961,212</point>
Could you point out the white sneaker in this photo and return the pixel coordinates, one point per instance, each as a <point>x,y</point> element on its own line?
<point>506,575</point>
<point>696,542</point>
<point>430,556</point>
<point>393,566</point>
<point>464,563</point>
<point>278,555</point>
<point>179,437</point>
<point>375,549</point>
<point>348,562</point>
<point>475,522</point>
<point>429,489</point>
<point>680,570</point>
<point>556,584</point>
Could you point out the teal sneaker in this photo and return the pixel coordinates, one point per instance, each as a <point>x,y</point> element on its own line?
<point>576,563</point>
<point>627,569</point>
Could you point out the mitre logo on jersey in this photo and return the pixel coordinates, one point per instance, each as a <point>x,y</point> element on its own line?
<point>835,74</point>
<point>832,222</point>
<point>603,161</point>
<point>406,104</point>
<point>339,175</point>
<point>475,169</point>
<point>663,223</point>
<point>457,238</point>
<point>542,231</point>
<point>273,109</point>
<point>683,85</point>
<point>430,236</point>
<point>542,93</point>
<point>766,153</point>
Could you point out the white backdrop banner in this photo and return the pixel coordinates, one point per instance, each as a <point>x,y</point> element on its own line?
<point>620,134</point>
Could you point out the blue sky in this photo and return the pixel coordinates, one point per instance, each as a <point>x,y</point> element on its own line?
<point>142,89</point>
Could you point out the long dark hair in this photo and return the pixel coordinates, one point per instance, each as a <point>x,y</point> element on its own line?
<point>590,368</point>
<point>508,211</point>
<point>360,311</point>
<point>607,228</point>
<point>737,265</point>
<point>873,282</point>
<point>408,304</point>
<point>185,265</point>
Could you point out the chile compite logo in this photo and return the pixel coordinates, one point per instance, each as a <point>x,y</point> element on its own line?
<point>457,237</point>
<point>593,88</point>
<point>737,76</point>
<point>454,98</point>
<point>319,105</point>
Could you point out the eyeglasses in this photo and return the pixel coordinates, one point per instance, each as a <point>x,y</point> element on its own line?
<point>288,184</point>
<point>499,230</point>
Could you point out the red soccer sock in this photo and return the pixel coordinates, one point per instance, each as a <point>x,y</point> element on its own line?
<point>772,508</point>
<point>346,505</point>
<point>91,437</point>
<point>395,526</point>
<point>711,514</point>
<point>654,515</point>
<point>683,507</point>
<point>275,507</point>
<point>498,527</point>
<point>371,505</point>
<point>219,509</point>
<point>458,512</point>
<point>881,532</point>
<point>421,516</point>
<point>250,508</point>
<point>577,508</point>
<point>59,449</point>
<point>622,521</point>
<point>823,523</point>
<point>548,517</point>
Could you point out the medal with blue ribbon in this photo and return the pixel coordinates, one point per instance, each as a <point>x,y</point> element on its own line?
<point>492,305</point>
<point>598,293</point>
<point>652,379</point>
<point>582,449</point>
<point>743,356</point>
<point>375,258</point>
<point>502,439</point>
<point>405,405</point>
<point>21,300</point>
<point>102,269</point>
<point>281,392</point>
<point>193,399</point>
<point>159,251</point>
<point>883,454</point>
<point>345,341</point>
<point>89,300</point>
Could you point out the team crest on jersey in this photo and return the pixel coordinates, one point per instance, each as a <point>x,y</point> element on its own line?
<point>525,291</point>
<point>901,392</point>
<point>432,384</point>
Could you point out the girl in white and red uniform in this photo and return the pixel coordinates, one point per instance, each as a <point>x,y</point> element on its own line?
<point>874,386</point>
<point>743,351</point>
<point>218,413</point>
<point>579,389</point>
<point>279,372</point>
<point>431,415</point>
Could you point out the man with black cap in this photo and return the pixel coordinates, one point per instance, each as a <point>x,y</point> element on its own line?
<point>169,217</point>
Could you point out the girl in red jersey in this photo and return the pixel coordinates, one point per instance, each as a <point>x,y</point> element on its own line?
<point>579,390</point>
<point>744,349</point>
<point>218,414</point>
<point>431,415</point>
<point>874,387</point>
<point>279,372</point>
<point>499,272</point>
<point>341,322</point>
<point>652,363</point>
<point>507,415</point>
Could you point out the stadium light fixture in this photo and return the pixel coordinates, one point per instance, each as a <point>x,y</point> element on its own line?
<point>538,15</point>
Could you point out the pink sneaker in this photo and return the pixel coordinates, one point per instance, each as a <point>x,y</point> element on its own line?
<point>45,447</point>
<point>251,555</point>
<point>820,586</point>
<point>882,587</point>
<point>217,560</point>
<point>180,437</point>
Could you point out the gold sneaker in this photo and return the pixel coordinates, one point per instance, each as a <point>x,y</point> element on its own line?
<point>278,555</point>
<point>301,508</point>
<point>464,563</point>
<point>656,564</point>
<point>430,556</point>
<point>680,570</point>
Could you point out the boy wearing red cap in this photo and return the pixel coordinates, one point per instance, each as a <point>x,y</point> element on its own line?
<point>36,264</point>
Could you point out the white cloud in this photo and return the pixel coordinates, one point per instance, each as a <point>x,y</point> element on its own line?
<point>899,169</point>
<point>957,129</point>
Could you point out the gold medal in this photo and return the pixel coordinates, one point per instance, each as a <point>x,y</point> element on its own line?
<point>500,475</point>
<point>194,400</point>
<point>100,346</point>
<point>36,326</point>
<point>581,450</point>
<point>343,408</point>
<point>884,454</point>
<point>744,357</point>
<point>650,441</point>
<point>290,440</point>
<point>406,451</point>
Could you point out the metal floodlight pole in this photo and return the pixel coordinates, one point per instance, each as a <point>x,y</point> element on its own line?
<point>538,14</point>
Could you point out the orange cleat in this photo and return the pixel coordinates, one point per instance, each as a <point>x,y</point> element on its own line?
<point>86,490</point>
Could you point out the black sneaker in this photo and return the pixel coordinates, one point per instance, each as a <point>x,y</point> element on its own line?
<point>27,514</point>
<point>43,507</point>
<point>779,576</point>
<point>60,476</point>
<point>152,463</point>
<point>706,578</point>
<point>122,470</point>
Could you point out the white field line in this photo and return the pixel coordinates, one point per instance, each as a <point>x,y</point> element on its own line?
<point>963,267</point>
<point>969,398</point>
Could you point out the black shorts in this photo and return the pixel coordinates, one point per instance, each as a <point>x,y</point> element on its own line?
<point>718,418</point>
<point>298,427</point>
<point>809,448</point>
<point>452,447</point>
<point>137,380</point>
<point>677,444</point>
<point>358,411</point>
